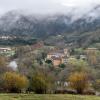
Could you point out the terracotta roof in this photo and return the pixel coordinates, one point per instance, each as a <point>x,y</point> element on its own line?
<point>55,53</point>
<point>55,58</point>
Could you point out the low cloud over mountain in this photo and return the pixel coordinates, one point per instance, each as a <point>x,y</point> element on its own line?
<point>72,20</point>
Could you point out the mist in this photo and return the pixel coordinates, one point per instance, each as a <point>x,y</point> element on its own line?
<point>77,8</point>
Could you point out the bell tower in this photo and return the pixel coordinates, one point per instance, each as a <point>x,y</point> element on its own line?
<point>66,52</point>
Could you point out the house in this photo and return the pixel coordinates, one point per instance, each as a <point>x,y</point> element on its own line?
<point>4,50</point>
<point>56,60</point>
<point>92,48</point>
<point>92,51</point>
<point>64,60</point>
<point>7,51</point>
<point>58,57</point>
<point>83,57</point>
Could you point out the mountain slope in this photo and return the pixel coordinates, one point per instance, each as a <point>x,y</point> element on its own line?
<point>74,30</point>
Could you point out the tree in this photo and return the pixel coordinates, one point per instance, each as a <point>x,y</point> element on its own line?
<point>41,83</point>
<point>48,61</point>
<point>78,65</point>
<point>3,65</point>
<point>79,81</point>
<point>92,56</point>
<point>62,65</point>
<point>2,61</point>
<point>14,82</point>
<point>96,84</point>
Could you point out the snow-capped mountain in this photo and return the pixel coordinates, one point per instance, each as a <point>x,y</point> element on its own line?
<point>19,23</point>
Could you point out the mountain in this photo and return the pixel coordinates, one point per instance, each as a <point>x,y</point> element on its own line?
<point>74,28</point>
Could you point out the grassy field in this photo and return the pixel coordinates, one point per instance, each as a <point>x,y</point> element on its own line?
<point>45,97</point>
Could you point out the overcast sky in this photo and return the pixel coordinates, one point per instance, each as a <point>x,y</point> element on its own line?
<point>48,6</point>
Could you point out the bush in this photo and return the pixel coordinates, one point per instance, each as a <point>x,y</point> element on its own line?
<point>14,82</point>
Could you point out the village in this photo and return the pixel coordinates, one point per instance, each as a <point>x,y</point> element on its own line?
<point>63,56</point>
<point>56,55</point>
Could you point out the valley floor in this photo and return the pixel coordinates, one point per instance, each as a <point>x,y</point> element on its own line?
<point>45,97</point>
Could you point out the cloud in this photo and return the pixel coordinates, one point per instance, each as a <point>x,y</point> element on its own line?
<point>48,6</point>
<point>68,4</point>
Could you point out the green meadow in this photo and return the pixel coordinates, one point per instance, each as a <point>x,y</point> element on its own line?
<point>46,97</point>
